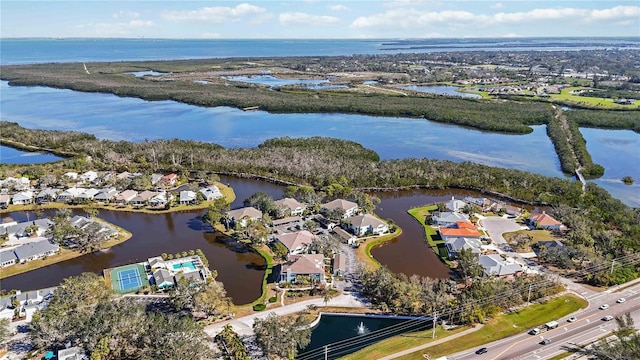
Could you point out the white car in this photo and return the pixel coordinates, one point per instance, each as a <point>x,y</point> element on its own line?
<point>604,307</point>
<point>572,319</point>
<point>607,318</point>
<point>621,300</point>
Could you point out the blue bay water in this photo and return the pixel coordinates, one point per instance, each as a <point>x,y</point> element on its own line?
<point>14,156</point>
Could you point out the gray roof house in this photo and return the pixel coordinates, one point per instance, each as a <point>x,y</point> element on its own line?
<point>106,194</point>
<point>447,218</point>
<point>455,245</point>
<point>188,197</point>
<point>339,264</point>
<point>35,250</point>
<point>155,178</point>
<point>163,278</point>
<point>46,195</point>
<point>5,200</point>
<point>15,231</point>
<point>495,265</point>
<point>7,257</point>
<point>88,194</point>
<point>72,353</point>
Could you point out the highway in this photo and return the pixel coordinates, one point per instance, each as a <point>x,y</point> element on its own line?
<point>588,328</point>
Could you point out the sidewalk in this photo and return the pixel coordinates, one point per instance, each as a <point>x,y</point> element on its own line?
<point>428,345</point>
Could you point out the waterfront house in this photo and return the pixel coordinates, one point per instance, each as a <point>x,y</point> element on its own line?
<point>106,195</point>
<point>243,215</point>
<point>46,195</point>
<point>35,250</point>
<point>188,197</point>
<point>455,205</point>
<point>163,279</point>
<point>545,221</point>
<point>339,264</point>
<point>4,201</point>
<point>89,176</point>
<point>211,193</point>
<point>15,231</point>
<point>126,196</point>
<point>292,206</point>
<point>367,224</point>
<point>447,218</point>
<point>7,257</point>
<point>461,229</point>
<point>192,277</point>
<point>160,200</point>
<point>22,198</point>
<point>87,195</point>
<point>349,208</point>
<point>308,265</point>
<point>296,242</point>
<point>456,244</point>
<point>70,194</point>
<point>80,222</point>
<point>345,237</point>
<point>143,198</point>
<point>495,265</point>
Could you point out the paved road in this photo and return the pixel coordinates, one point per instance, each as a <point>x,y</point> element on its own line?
<point>588,328</point>
<point>496,226</point>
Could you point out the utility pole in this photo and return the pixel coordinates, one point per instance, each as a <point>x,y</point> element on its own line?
<point>612,263</point>
<point>529,296</point>
<point>435,316</point>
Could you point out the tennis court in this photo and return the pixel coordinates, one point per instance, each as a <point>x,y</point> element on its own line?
<point>127,279</point>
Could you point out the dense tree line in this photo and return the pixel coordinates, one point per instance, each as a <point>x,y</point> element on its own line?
<point>323,164</point>
<point>399,294</point>
<point>282,337</point>
<point>563,148</point>
<point>590,170</point>
<point>627,120</point>
<point>85,313</point>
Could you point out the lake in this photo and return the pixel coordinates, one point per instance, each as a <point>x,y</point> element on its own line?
<point>442,90</point>
<point>9,155</point>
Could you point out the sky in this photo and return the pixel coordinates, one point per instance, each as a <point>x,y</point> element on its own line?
<point>319,19</point>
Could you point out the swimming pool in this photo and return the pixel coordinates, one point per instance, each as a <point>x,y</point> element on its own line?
<point>188,265</point>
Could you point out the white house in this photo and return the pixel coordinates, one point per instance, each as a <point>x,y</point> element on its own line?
<point>46,195</point>
<point>367,223</point>
<point>448,218</point>
<point>211,193</point>
<point>160,199</point>
<point>296,242</point>
<point>89,176</point>
<point>88,194</point>
<point>187,197</point>
<point>71,175</point>
<point>349,207</point>
<point>7,257</point>
<point>293,206</point>
<point>22,198</point>
<point>495,265</point>
<point>106,194</point>
<point>15,231</point>
<point>243,215</point>
<point>455,205</point>
<point>21,183</point>
<point>69,194</point>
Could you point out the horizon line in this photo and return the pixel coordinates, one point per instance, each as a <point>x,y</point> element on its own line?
<point>355,38</point>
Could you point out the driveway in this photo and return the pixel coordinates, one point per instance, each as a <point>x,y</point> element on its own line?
<point>496,226</point>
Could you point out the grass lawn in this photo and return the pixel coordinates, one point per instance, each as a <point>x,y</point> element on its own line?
<point>505,325</point>
<point>537,235</point>
<point>432,237</point>
<point>62,255</point>
<point>566,97</point>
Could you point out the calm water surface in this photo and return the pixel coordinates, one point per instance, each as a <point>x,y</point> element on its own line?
<point>10,155</point>
<point>442,90</point>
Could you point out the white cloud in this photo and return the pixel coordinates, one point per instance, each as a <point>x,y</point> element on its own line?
<point>300,18</point>
<point>511,35</point>
<point>408,17</point>
<point>112,29</point>
<point>217,14</point>
<point>126,14</point>
<point>497,6</point>
<point>338,7</point>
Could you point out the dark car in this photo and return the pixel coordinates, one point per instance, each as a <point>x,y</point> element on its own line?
<point>545,342</point>
<point>481,351</point>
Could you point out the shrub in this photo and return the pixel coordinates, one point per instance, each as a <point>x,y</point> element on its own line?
<point>273,299</point>
<point>259,307</point>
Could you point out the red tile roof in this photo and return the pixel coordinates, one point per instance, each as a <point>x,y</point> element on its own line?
<point>464,232</point>
<point>545,220</point>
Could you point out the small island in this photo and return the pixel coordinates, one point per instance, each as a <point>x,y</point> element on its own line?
<point>628,180</point>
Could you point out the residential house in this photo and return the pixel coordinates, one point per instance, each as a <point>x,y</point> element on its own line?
<point>367,224</point>
<point>188,197</point>
<point>243,215</point>
<point>106,195</point>
<point>193,277</point>
<point>87,195</point>
<point>346,237</point>
<point>326,223</point>
<point>143,198</point>
<point>6,307</point>
<point>168,180</point>
<point>512,210</point>
<point>455,205</point>
<point>461,229</point>
<point>35,250</point>
<point>72,353</point>
<point>89,176</point>
<point>292,220</point>
<point>16,231</point>
<point>447,219</point>
<point>81,222</point>
<point>296,242</point>
<point>7,257</point>
<point>292,206</point>
<point>339,264</point>
<point>211,193</point>
<point>18,184</point>
<point>126,196</point>
<point>46,196</point>
<point>348,207</point>
<point>124,175</point>
<point>545,221</point>
<point>456,244</point>
<point>22,198</point>
<point>70,194</point>
<point>163,279</point>
<point>71,175</point>
<point>31,301</point>
<point>484,203</point>
<point>155,178</point>
<point>160,200</point>
<point>4,201</point>
<point>495,265</point>
<point>156,262</point>
<point>311,265</point>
